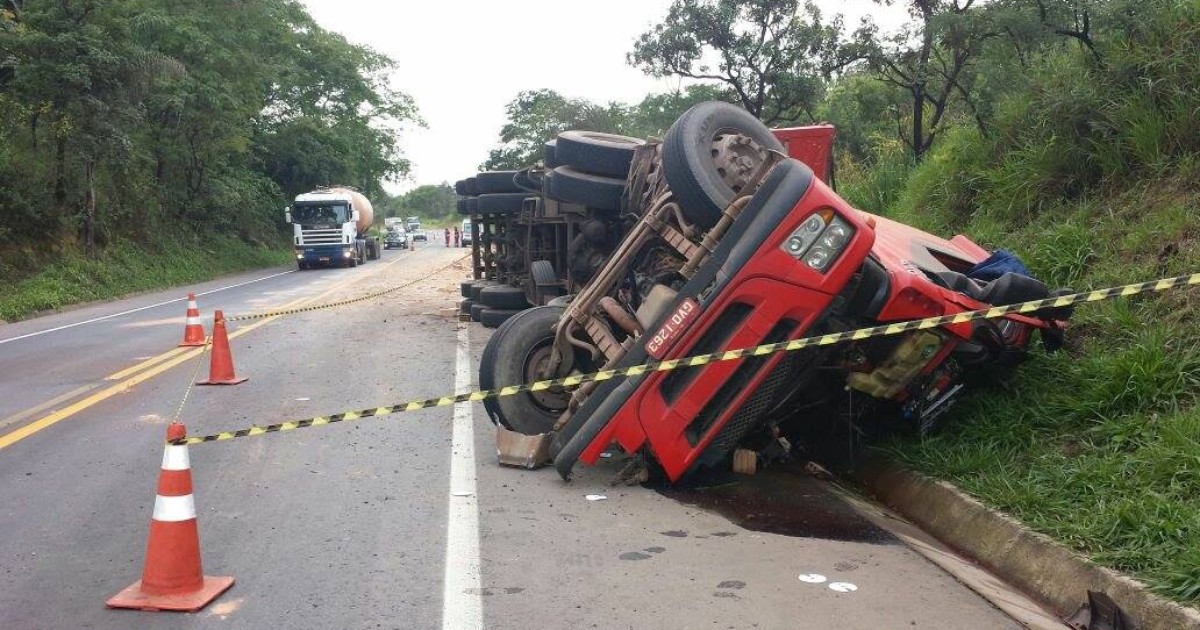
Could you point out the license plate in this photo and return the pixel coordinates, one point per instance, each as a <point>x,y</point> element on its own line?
<point>323,259</point>
<point>672,328</point>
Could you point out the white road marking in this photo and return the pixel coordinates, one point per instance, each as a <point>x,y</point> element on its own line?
<point>462,603</point>
<point>812,578</point>
<point>843,587</point>
<point>140,308</point>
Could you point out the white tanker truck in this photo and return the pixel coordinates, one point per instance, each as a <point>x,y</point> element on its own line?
<point>329,227</point>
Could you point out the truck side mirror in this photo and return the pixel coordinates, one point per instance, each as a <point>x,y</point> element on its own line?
<point>287,215</point>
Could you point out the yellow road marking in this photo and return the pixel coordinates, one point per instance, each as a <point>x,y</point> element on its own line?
<point>180,355</point>
<point>129,371</point>
<point>17,417</point>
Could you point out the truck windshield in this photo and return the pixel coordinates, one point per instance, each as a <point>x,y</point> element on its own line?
<point>320,214</point>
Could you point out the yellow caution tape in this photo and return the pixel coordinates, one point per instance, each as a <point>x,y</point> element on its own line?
<point>319,307</point>
<point>1153,286</point>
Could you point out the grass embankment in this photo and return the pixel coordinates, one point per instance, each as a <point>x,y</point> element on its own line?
<point>124,268</point>
<point>1093,179</point>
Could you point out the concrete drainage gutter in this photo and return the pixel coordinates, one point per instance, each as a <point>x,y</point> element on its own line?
<point>1025,559</point>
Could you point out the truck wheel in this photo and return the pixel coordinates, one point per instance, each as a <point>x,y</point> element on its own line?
<point>462,206</point>
<point>542,272</point>
<point>513,356</point>
<point>595,152</point>
<point>707,155</point>
<point>464,306</point>
<point>478,286</point>
<point>493,317</point>
<point>476,309</point>
<point>464,288</point>
<point>501,203</point>
<point>460,187</point>
<point>503,297</point>
<point>495,182</point>
<point>593,191</point>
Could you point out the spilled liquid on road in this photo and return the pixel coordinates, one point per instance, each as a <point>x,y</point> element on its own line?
<point>782,500</point>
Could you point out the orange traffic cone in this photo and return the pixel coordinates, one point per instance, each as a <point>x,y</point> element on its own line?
<point>172,578</point>
<point>220,370</point>
<point>193,330</point>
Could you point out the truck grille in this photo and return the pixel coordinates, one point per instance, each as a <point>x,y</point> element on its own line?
<point>322,237</point>
<point>712,340</point>
<point>755,405</point>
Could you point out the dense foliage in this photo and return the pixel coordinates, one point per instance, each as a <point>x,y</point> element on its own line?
<point>144,121</point>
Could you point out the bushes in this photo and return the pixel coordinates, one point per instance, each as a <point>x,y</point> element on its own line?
<point>125,268</point>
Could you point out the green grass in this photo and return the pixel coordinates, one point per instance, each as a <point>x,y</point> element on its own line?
<point>123,268</point>
<point>1097,445</point>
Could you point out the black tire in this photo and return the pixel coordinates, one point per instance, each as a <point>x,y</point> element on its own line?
<point>462,206</point>
<point>495,182</point>
<point>302,266</point>
<point>472,205</point>
<point>503,297</point>
<point>464,288</point>
<point>494,317</point>
<point>593,191</point>
<point>550,154</point>
<point>501,203</point>
<point>510,358</point>
<point>476,309</point>
<point>542,273</point>
<point>687,157</point>
<point>460,187</point>
<point>470,187</point>
<point>478,286</point>
<point>464,306</point>
<point>595,152</point>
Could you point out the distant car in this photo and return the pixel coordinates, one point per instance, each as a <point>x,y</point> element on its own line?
<point>396,239</point>
<point>419,235</point>
<point>466,233</point>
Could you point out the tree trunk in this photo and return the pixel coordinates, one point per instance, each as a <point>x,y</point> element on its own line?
<point>60,173</point>
<point>89,207</point>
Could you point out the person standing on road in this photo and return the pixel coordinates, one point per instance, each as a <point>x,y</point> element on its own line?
<point>457,237</point>
<point>447,237</point>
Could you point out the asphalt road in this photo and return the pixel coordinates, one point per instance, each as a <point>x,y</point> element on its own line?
<point>404,522</point>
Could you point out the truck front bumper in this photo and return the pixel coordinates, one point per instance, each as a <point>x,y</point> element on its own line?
<point>314,255</point>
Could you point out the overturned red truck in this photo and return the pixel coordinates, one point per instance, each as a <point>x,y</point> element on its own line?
<point>740,240</point>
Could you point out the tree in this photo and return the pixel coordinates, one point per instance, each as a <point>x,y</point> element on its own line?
<point>769,55</point>
<point>135,118</point>
<point>429,201</point>
<point>537,116</point>
<point>930,59</point>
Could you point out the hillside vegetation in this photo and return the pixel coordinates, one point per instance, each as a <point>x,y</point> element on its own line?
<point>1091,173</point>
<point>133,128</point>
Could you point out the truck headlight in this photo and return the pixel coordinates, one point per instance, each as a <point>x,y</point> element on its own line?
<point>819,240</point>
<point>346,254</point>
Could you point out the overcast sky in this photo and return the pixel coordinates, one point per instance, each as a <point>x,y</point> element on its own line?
<point>463,60</point>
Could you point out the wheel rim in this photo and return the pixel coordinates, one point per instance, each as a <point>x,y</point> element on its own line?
<point>736,156</point>
<point>553,400</point>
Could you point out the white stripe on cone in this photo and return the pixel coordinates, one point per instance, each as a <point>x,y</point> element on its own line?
<point>174,509</point>
<point>175,457</point>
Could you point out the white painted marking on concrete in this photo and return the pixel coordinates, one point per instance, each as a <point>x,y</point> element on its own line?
<point>812,578</point>
<point>462,603</point>
<point>174,509</point>
<point>843,587</point>
<point>140,308</point>
<point>175,457</point>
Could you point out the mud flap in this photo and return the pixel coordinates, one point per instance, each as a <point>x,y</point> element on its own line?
<point>522,451</point>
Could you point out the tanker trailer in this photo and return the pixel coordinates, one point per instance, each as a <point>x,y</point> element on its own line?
<point>329,227</point>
